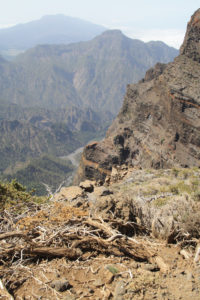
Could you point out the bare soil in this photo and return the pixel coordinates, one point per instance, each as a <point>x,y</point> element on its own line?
<point>63,251</point>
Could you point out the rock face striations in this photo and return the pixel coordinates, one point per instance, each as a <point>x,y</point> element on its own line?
<point>159,123</point>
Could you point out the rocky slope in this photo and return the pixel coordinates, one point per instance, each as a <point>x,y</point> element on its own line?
<point>159,123</point>
<point>27,133</point>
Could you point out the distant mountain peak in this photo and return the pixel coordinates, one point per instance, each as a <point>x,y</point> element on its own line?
<point>113,32</point>
<point>50,29</point>
<point>55,16</point>
<point>62,17</point>
<point>114,35</point>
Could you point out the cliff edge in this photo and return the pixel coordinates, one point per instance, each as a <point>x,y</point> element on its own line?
<point>159,123</point>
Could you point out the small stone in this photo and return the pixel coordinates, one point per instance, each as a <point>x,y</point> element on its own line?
<point>107,180</point>
<point>79,292</point>
<point>70,297</point>
<point>78,202</point>
<point>189,276</point>
<point>60,285</point>
<point>87,185</point>
<point>124,173</point>
<point>102,191</point>
<point>114,174</point>
<point>107,294</point>
<point>119,291</point>
<point>150,267</point>
<point>108,277</point>
<point>182,273</point>
<point>98,282</point>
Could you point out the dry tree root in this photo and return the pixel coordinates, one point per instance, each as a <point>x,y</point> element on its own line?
<point>85,240</point>
<point>12,234</point>
<point>49,252</point>
<point>75,238</point>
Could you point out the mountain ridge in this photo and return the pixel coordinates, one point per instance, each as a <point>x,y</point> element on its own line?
<point>81,73</point>
<point>50,29</point>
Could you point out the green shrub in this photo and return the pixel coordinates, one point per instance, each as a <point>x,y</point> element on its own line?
<point>14,196</point>
<point>175,172</point>
<point>160,202</point>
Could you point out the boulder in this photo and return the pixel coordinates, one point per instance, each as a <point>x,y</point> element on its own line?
<point>69,193</point>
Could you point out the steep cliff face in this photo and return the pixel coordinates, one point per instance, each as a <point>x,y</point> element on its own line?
<point>159,123</point>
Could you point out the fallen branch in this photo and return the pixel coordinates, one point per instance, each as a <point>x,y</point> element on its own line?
<point>12,234</point>
<point>48,252</point>
<point>102,226</point>
<point>54,252</point>
<point>116,245</point>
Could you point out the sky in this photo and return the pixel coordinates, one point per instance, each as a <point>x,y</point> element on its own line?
<point>142,19</point>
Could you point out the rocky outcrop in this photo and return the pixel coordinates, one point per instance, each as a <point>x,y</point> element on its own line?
<point>191,45</point>
<point>159,123</point>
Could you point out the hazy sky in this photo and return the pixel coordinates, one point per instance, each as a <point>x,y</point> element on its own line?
<point>142,19</point>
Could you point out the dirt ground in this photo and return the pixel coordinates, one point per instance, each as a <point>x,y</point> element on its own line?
<point>104,277</point>
<point>62,251</point>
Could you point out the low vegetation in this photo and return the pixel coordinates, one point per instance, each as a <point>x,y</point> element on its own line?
<point>14,196</point>
<point>39,173</point>
<point>163,194</point>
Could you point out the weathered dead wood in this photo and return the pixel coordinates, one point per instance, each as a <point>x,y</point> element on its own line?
<point>10,251</point>
<point>116,240</point>
<point>54,252</point>
<point>185,254</point>
<point>43,252</point>
<point>72,236</point>
<point>4,294</point>
<point>12,234</point>
<point>128,226</point>
<point>197,254</point>
<point>102,226</point>
<point>114,237</point>
<point>135,249</point>
<point>82,238</point>
<point>116,246</point>
<point>97,244</point>
<point>65,238</point>
<point>89,240</point>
